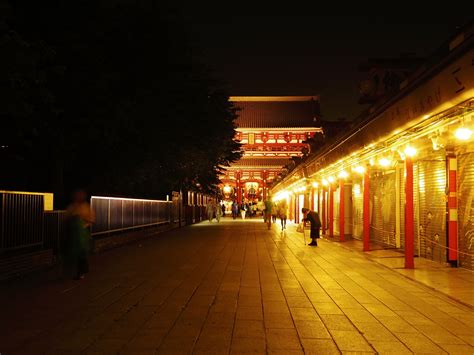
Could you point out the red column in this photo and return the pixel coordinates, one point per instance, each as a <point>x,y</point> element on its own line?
<point>323,210</point>
<point>341,210</point>
<point>366,236</point>
<point>312,199</point>
<point>409,216</point>
<point>452,211</point>
<point>331,211</point>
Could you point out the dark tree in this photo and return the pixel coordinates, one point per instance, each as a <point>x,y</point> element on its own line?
<point>121,105</point>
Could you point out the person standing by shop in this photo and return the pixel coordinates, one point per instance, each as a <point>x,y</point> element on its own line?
<point>313,218</point>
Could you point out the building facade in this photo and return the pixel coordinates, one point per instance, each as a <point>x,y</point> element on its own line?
<point>404,177</point>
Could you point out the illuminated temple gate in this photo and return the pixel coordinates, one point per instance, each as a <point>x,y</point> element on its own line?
<point>272,130</point>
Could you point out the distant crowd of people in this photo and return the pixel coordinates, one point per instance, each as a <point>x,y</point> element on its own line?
<point>269,210</point>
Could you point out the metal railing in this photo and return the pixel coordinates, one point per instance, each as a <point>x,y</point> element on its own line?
<point>55,230</point>
<point>21,219</point>
<point>120,214</point>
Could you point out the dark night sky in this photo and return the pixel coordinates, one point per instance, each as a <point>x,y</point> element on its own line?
<point>276,54</point>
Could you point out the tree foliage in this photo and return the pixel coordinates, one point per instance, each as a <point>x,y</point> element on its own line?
<point>109,95</point>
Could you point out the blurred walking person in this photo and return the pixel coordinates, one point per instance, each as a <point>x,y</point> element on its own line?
<point>78,244</point>
<point>210,210</point>
<point>268,212</point>
<point>282,213</point>
<point>218,212</point>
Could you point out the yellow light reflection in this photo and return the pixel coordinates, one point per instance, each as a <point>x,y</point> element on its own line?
<point>384,162</point>
<point>343,174</point>
<point>410,151</point>
<point>359,169</point>
<point>463,133</point>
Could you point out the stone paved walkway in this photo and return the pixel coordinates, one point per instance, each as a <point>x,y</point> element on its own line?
<point>233,287</point>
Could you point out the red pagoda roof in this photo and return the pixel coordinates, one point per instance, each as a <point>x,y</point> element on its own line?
<point>276,111</point>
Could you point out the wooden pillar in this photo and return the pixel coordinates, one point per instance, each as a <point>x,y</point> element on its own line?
<point>409,215</point>
<point>452,241</point>
<point>331,211</point>
<point>342,218</point>
<point>366,201</point>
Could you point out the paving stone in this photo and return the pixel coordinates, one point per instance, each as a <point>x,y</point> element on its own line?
<point>296,301</point>
<point>285,352</point>
<point>379,310</point>
<point>220,319</point>
<point>327,308</point>
<point>248,345</point>
<point>455,349</point>
<point>337,322</point>
<point>275,307</point>
<point>312,329</point>
<point>304,314</point>
<point>107,345</point>
<point>418,343</point>
<point>278,320</point>
<point>439,335</point>
<point>375,331</point>
<point>396,324</point>
<point>389,347</point>
<point>250,313</point>
<point>319,346</point>
<point>468,339</point>
<point>249,329</point>
<point>282,339</point>
<point>249,301</point>
<point>348,340</point>
<point>176,345</point>
<point>214,339</point>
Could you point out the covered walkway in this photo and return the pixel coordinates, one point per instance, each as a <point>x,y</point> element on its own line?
<point>235,287</point>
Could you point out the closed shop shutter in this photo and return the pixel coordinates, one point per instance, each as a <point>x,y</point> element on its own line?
<point>432,205</point>
<point>383,197</point>
<point>466,209</point>
<point>357,208</point>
